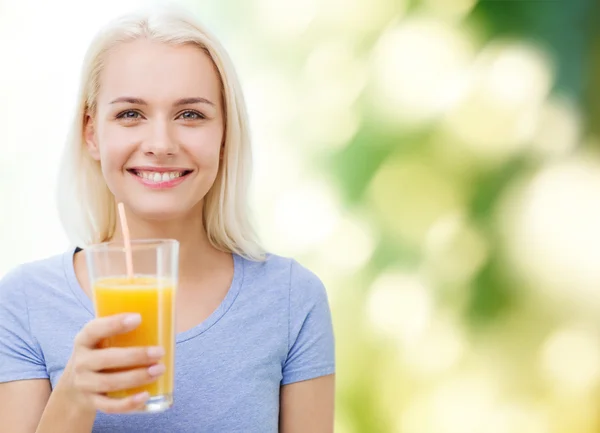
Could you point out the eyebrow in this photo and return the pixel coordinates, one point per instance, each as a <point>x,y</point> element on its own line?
<point>179,102</point>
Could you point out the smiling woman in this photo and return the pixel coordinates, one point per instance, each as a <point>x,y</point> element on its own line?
<point>198,87</point>
<point>149,130</point>
<point>161,127</point>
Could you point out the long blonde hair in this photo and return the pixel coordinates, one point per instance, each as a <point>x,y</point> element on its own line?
<point>87,206</point>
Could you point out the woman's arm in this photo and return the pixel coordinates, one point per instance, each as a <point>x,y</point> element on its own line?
<point>65,413</point>
<point>308,406</point>
<point>29,406</point>
<point>22,403</point>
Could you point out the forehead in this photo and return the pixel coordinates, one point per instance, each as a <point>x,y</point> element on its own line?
<point>158,72</point>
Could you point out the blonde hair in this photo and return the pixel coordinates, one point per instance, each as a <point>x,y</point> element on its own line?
<point>86,205</point>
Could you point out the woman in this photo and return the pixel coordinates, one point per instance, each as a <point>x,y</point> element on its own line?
<point>159,100</point>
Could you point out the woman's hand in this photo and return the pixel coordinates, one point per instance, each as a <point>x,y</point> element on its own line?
<point>90,373</point>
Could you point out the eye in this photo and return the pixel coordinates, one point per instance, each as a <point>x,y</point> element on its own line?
<point>192,115</point>
<point>129,115</point>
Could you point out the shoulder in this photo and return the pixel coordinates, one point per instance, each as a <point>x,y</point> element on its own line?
<point>276,266</point>
<point>30,275</point>
<point>302,284</point>
<point>25,304</point>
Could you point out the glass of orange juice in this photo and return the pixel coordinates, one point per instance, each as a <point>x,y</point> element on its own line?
<point>150,292</point>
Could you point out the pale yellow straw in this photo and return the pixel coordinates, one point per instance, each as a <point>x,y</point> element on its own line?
<point>126,240</point>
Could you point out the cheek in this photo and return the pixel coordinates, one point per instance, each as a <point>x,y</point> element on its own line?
<point>204,145</point>
<point>115,144</point>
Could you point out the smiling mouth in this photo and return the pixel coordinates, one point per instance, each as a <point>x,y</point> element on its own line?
<point>159,177</point>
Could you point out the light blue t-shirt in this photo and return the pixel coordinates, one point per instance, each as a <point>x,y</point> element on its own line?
<point>273,328</point>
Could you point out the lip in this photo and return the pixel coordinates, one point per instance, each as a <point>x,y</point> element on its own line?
<point>171,183</point>
<point>158,169</point>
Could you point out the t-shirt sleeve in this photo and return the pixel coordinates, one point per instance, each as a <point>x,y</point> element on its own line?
<point>20,355</point>
<point>311,350</point>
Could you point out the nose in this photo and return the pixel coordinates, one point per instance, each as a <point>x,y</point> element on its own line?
<point>159,142</point>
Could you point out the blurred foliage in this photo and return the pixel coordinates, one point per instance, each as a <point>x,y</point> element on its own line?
<point>437,166</point>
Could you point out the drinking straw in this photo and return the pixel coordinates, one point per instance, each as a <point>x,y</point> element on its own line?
<point>126,241</point>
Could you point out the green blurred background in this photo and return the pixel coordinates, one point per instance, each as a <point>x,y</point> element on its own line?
<point>435,162</point>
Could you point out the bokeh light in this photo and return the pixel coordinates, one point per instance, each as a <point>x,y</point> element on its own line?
<point>462,404</point>
<point>454,249</point>
<point>440,348</point>
<point>418,68</point>
<point>497,114</point>
<point>400,306</point>
<point>570,359</point>
<point>553,233</point>
<point>559,128</point>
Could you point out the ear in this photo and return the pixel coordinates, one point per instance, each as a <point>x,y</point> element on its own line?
<point>89,134</point>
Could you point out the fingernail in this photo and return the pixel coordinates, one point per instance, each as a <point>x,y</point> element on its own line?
<point>141,397</point>
<point>156,352</point>
<point>132,319</point>
<point>156,370</point>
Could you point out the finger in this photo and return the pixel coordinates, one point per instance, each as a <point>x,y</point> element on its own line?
<point>99,383</point>
<point>103,327</point>
<point>116,357</point>
<point>120,405</point>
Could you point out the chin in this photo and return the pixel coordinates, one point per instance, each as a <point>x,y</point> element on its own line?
<point>156,211</point>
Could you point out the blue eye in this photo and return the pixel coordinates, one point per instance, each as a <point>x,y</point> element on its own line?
<point>191,115</point>
<point>129,114</point>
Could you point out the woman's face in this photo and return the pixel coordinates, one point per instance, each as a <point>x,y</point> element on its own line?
<point>158,127</point>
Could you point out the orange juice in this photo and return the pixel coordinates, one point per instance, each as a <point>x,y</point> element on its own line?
<point>153,299</point>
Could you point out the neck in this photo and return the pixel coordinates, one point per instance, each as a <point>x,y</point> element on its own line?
<point>195,251</point>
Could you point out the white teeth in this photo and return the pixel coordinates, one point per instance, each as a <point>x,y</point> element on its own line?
<point>156,177</point>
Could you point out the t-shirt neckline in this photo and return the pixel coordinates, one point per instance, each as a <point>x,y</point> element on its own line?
<point>206,324</point>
